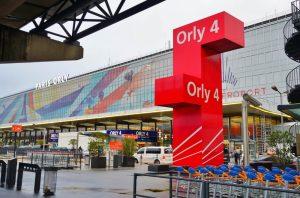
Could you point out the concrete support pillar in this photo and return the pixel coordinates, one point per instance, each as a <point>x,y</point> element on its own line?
<point>18,46</point>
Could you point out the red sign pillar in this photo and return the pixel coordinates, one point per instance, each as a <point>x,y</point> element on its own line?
<point>195,89</point>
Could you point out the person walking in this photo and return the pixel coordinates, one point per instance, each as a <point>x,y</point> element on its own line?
<point>237,157</point>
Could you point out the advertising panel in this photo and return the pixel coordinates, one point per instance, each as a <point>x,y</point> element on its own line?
<point>53,137</point>
<point>116,145</point>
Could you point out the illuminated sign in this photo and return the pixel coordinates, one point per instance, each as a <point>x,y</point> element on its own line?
<point>140,136</point>
<point>17,128</point>
<point>54,137</point>
<point>53,81</point>
<point>116,145</point>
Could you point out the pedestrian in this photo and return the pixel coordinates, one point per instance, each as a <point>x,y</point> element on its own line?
<point>80,149</point>
<point>237,157</point>
<point>80,152</point>
<point>241,157</point>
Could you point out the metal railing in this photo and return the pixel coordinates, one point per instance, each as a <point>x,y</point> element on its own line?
<point>295,11</point>
<point>208,187</point>
<point>55,159</point>
<point>289,30</point>
<point>294,129</point>
<point>293,78</point>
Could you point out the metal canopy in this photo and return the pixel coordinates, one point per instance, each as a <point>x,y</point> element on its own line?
<point>70,15</point>
<point>292,110</point>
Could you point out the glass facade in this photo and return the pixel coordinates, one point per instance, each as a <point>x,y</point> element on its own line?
<point>258,66</point>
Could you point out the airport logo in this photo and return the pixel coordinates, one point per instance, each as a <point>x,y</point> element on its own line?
<point>53,81</point>
<point>227,74</point>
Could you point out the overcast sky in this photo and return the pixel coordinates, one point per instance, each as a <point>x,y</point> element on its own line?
<point>136,36</point>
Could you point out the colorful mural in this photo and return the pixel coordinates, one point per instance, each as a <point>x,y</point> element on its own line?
<point>116,89</point>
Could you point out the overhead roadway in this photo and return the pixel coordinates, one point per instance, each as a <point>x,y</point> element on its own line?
<point>75,18</point>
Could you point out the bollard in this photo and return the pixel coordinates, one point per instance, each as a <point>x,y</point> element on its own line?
<point>50,179</point>
<point>141,160</point>
<point>3,173</point>
<point>68,161</point>
<point>80,158</point>
<point>115,161</point>
<point>11,173</point>
<point>20,177</point>
<point>42,163</point>
<point>134,185</point>
<point>170,185</point>
<point>37,181</point>
<point>109,156</point>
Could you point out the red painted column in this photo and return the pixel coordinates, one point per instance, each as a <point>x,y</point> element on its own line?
<point>195,89</point>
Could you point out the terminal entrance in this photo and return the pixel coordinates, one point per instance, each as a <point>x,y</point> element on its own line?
<point>161,123</point>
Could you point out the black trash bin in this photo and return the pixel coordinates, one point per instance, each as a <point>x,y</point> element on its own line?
<point>11,173</point>
<point>117,161</point>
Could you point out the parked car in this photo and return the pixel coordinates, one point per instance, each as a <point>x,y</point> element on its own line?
<point>154,155</point>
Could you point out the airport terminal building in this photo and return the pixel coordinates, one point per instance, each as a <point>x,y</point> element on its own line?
<point>121,97</point>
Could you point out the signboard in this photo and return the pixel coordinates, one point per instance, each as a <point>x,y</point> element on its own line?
<point>116,145</point>
<point>17,128</point>
<point>140,136</point>
<point>195,89</point>
<point>53,81</point>
<point>53,137</point>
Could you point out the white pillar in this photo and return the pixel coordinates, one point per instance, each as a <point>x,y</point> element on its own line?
<point>245,134</point>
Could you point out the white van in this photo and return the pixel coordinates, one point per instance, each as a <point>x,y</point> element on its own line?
<point>154,155</point>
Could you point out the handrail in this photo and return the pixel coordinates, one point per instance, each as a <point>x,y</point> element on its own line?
<point>289,30</point>
<point>295,11</point>
<point>293,129</point>
<point>229,184</point>
<point>293,78</point>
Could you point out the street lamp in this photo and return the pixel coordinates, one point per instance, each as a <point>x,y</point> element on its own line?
<point>280,93</point>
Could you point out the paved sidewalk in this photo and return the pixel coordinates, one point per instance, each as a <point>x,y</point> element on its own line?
<point>94,183</point>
